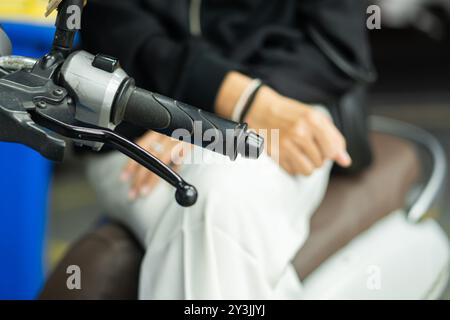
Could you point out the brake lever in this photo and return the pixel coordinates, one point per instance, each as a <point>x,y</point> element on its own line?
<point>36,112</point>
<point>186,194</point>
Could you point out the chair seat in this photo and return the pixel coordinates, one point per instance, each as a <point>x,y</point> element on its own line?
<point>109,256</point>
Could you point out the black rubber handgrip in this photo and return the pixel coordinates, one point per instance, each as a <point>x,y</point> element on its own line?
<point>167,116</point>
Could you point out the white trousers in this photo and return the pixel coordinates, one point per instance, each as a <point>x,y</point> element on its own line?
<point>236,242</point>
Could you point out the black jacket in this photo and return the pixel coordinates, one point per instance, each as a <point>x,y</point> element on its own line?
<point>184,48</point>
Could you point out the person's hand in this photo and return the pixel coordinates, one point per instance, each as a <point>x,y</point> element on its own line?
<point>168,150</point>
<point>307,136</point>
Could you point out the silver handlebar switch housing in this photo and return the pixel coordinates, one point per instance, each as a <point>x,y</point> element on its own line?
<point>95,90</point>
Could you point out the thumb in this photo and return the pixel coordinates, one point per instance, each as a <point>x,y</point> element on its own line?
<point>343,159</point>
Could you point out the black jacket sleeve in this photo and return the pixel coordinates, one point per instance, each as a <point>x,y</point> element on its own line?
<point>153,52</point>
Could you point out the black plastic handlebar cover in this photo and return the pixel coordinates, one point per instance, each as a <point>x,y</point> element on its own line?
<point>173,118</point>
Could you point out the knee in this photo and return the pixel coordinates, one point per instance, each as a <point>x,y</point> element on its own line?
<point>233,197</point>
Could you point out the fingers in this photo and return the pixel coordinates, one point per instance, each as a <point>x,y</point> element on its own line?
<point>141,184</point>
<point>142,180</point>
<point>128,171</point>
<point>330,141</point>
<point>285,164</point>
<point>132,166</point>
<point>322,134</point>
<point>297,161</point>
<point>305,142</point>
<point>342,157</point>
<point>313,140</point>
<point>179,152</point>
<point>145,180</point>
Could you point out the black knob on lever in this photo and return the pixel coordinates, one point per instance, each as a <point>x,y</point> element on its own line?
<point>186,195</point>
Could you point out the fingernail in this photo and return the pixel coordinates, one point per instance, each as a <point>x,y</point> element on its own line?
<point>346,159</point>
<point>124,177</point>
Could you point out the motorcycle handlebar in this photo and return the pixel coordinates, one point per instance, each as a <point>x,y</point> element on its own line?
<point>173,118</point>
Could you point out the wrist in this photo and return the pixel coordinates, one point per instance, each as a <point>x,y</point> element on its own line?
<point>231,90</point>
<point>261,111</point>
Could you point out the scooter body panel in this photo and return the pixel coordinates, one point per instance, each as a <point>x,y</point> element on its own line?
<point>395,259</point>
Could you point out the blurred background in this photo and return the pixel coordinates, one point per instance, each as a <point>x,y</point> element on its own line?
<point>56,206</point>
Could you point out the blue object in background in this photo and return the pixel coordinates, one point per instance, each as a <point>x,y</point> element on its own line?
<point>29,40</point>
<point>23,207</point>
<point>24,185</point>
